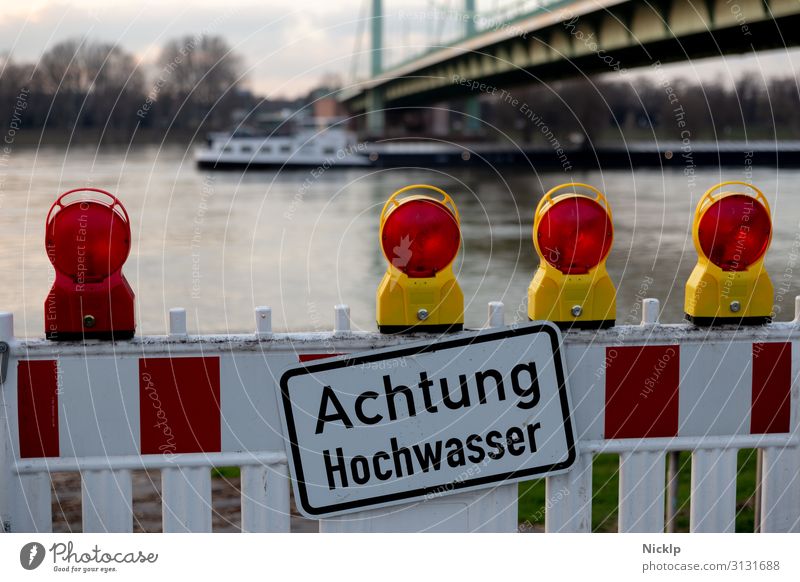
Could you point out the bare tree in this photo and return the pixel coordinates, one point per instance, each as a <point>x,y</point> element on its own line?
<point>197,77</point>
<point>91,84</point>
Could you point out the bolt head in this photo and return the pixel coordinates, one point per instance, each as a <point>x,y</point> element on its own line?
<point>89,321</point>
<point>576,310</point>
<point>735,306</point>
<point>422,314</point>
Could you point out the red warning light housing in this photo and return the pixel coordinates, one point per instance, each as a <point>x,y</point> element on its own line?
<point>420,237</point>
<point>575,235</point>
<point>735,232</point>
<point>729,285</point>
<point>88,239</point>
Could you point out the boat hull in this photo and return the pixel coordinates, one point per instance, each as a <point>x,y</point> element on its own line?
<point>269,165</point>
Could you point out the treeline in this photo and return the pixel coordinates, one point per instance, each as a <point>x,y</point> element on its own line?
<point>646,108</point>
<point>194,83</point>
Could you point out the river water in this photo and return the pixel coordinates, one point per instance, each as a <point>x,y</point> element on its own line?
<point>221,243</point>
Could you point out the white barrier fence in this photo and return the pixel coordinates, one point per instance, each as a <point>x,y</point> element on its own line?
<point>183,404</point>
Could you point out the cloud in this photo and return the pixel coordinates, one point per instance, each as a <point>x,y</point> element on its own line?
<point>288,46</point>
<point>279,40</point>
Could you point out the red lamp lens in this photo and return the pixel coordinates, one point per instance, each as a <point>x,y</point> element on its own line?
<point>88,240</point>
<point>420,237</point>
<point>575,234</point>
<point>734,232</point>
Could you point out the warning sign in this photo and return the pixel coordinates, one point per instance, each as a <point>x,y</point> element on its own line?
<point>427,418</point>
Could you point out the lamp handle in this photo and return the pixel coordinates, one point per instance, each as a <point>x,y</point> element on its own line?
<point>115,202</point>
<point>599,197</point>
<point>446,199</point>
<point>759,195</point>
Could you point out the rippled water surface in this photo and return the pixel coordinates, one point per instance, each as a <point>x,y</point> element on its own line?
<point>220,243</point>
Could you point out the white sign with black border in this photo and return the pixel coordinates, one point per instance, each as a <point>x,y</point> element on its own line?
<point>427,418</point>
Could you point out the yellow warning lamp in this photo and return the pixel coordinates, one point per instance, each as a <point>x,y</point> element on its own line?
<point>420,236</point>
<point>729,285</point>
<point>573,234</point>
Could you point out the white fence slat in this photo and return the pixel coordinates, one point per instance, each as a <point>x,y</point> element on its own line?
<point>568,503</point>
<point>641,491</point>
<point>780,490</point>
<point>341,323</point>
<point>265,498</point>
<point>177,323</point>
<point>480,511</point>
<point>495,510</point>
<point>498,512</point>
<point>186,499</point>
<point>31,509</point>
<point>8,409</point>
<point>263,322</point>
<point>106,501</point>
<point>713,497</point>
<point>7,476</point>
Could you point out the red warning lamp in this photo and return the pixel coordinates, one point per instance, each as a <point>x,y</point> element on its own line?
<point>576,235</point>
<point>732,231</point>
<point>573,234</point>
<point>725,242</point>
<point>420,236</point>
<point>88,239</point>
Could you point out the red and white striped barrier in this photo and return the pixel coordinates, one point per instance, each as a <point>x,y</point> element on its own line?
<point>183,403</point>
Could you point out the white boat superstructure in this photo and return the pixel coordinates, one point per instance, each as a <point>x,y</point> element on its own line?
<point>291,143</point>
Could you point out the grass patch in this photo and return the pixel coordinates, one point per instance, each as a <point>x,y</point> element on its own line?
<point>745,490</point>
<point>605,487</point>
<point>225,472</point>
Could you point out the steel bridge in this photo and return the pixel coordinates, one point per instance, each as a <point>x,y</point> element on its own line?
<point>546,40</point>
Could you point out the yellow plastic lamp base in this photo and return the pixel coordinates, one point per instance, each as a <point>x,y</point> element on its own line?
<point>430,304</point>
<point>717,297</point>
<point>573,301</point>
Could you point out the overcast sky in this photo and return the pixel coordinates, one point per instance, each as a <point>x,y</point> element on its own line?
<point>287,45</point>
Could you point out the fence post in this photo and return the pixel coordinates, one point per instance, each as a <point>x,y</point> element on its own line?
<point>641,491</point>
<point>497,314</point>
<point>651,309</point>
<point>568,498</point>
<point>263,322</point>
<point>341,323</point>
<point>505,497</point>
<point>106,501</point>
<point>265,498</point>
<point>6,453</point>
<point>177,323</point>
<point>780,467</point>
<point>186,499</point>
<point>780,490</point>
<point>713,498</point>
<point>26,501</point>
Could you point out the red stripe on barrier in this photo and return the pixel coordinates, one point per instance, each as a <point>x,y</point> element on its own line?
<point>179,406</point>
<point>311,357</point>
<point>772,383</point>
<point>642,391</point>
<point>37,408</point>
